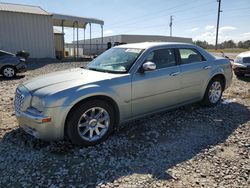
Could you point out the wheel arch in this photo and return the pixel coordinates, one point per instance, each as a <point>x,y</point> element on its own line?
<point>221,77</point>
<point>7,65</point>
<point>108,99</point>
<point>216,75</point>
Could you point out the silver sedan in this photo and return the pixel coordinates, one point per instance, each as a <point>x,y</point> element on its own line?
<point>124,83</point>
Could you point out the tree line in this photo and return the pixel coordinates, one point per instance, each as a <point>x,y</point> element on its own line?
<point>225,44</point>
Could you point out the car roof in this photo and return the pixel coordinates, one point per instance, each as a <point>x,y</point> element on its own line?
<point>244,54</point>
<point>146,45</point>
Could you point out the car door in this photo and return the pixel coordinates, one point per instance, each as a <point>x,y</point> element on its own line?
<point>157,89</point>
<point>194,73</point>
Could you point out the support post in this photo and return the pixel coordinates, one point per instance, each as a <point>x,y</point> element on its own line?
<point>218,25</point>
<point>63,38</point>
<point>171,25</point>
<point>74,50</point>
<point>90,39</point>
<point>102,39</point>
<point>77,42</point>
<point>84,38</point>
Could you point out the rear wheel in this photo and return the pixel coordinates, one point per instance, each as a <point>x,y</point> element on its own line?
<point>213,92</point>
<point>90,123</point>
<point>9,72</point>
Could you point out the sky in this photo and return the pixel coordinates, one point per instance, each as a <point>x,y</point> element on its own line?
<point>191,18</point>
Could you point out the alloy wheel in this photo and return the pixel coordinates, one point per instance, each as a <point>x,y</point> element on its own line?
<point>9,72</point>
<point>93,124</point>
<point>215,92</point>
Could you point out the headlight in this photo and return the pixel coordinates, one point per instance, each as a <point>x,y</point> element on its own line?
<point>37,103</point>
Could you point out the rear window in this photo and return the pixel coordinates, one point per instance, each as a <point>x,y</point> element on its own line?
<point>246,60</point>
<point>189,55</point>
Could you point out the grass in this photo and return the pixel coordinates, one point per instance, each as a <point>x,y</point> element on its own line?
<point>228,50</point>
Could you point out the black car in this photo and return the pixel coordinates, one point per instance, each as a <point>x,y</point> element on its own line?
<point>10,64</point>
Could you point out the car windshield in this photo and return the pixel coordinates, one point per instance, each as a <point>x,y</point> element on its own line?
<point>115,60</point>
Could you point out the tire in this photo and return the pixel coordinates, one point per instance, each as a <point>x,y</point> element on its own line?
<point>82,122</point>
<point>212,96</point>
<point>9,71</point>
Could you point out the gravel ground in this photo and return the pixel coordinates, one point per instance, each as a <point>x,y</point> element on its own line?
<point>190,146</point>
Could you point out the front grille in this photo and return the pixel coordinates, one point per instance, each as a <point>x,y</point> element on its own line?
<point>18,102</point>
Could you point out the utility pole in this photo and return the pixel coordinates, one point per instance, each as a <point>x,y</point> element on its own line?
<point>218,25</point>
<point>170,25</point>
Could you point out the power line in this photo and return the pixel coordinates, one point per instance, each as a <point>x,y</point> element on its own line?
<point>149,14</point>
<point>152,15</point>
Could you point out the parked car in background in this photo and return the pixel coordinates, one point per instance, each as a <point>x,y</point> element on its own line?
<point>10,64</point>
<point>124,83</point>
<point>241,64</point>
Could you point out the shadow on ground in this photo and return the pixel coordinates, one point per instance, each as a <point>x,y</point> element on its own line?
<point>148,146</point>
<point>18,77</point>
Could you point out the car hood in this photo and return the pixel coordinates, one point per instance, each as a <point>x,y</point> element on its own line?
<point>58,81</point>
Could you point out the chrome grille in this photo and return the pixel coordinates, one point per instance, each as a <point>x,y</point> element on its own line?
<point>19,98</point>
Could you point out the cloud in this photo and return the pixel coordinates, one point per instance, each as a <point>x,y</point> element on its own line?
<point>194,29</point>
<point>226,28</point>
<point>108,32</point>
<point>248,33</point>
<point>209,27</point>
<point>210,33</point>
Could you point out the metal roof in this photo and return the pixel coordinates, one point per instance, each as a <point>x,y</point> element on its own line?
<point>9,7</point>
<point>70,21</point>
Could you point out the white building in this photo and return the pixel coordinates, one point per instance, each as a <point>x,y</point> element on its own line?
<point>98,45</point>
<point>30,28</point>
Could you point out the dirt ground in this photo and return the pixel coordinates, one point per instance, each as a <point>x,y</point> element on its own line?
<point>192,146</point>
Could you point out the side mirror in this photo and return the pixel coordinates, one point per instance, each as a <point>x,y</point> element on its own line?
<point>149,66</point>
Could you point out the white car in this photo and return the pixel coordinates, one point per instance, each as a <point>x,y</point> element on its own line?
<point>241,64</point>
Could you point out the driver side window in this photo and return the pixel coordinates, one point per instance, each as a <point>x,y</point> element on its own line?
<point>162,58</point>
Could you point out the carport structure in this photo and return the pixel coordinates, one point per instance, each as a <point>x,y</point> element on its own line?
<point>75,22</point>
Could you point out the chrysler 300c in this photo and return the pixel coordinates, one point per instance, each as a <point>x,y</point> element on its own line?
<point>126,82</point>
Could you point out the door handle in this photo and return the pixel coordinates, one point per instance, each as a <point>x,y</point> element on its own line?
<point>207,67</point>
<point>174,73</point>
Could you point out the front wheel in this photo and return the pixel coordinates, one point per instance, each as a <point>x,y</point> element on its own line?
<point>213,92</point>
<point>9,72</point>
<point>90,123</point>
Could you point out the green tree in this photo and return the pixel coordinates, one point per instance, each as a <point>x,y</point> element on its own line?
<point>203,44</point>
<point>246,44</point>
<point>228,44</point>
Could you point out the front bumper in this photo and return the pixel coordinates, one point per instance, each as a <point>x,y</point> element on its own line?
<point>242,70</point>
<point>44,127</point>
<point>21,67</point>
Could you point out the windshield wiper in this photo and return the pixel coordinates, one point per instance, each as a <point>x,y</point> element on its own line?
<point>106,71</point>
<point>95,69</point>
